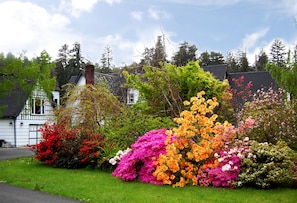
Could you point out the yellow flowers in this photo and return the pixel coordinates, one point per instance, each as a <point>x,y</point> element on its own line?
<point>197,138</point>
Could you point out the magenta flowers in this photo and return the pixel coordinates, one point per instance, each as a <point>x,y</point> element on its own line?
<point>138,163</point>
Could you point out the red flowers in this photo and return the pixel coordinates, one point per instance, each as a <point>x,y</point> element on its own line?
<point>67,148</point>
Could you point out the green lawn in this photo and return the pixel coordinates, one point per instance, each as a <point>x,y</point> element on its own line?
<point>91,185</point>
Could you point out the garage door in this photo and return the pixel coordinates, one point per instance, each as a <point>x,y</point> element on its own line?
<point>34,135</point>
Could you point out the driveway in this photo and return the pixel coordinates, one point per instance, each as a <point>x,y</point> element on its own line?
<point>11,153</point>
<point>13,194</point>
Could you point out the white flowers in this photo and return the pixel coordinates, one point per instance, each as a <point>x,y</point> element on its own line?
<point>226,167</point>
<point>119,155</point>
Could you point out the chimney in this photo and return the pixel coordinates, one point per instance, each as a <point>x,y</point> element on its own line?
<point>89,74</point>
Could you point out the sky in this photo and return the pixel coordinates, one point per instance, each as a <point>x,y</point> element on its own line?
<point>130,26</point>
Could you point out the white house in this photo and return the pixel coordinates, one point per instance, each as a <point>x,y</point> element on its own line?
<point>24,114</point>
<point>115,81</point>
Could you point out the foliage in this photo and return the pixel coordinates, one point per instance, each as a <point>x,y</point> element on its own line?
<point>67,148</point>
<point>164,89</point>
<point>106,62</point>
<point>20,73</point>
<point>237,62</point>
<point>68,63</point>
<point>156,55</point>
<point>275,117</point>
<point>212,58</point>
<point>89,107</point>
<point>138,163</point>
<point>267,165</point>
<point>286,77</point>
<point>261,61</point>
<point>185,54</point>
<point>278,53</point>
<point>132,123</point>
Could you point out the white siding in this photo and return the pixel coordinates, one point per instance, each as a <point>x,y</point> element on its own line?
<point>24,122</point>
<point>7,130</point>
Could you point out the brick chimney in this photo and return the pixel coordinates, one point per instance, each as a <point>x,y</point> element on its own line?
<point>89,74</point>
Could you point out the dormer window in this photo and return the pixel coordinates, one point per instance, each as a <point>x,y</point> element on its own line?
<point>37,106</point>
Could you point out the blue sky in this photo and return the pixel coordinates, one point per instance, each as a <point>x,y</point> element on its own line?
<point>128,26</point>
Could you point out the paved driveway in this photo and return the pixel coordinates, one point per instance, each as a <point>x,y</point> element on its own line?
<point>11,153</point>
<point>13,194</point>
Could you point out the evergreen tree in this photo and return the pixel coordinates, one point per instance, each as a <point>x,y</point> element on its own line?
<point>159,52</point>
<point>261,61</point>
<point>106,65</point>
<point>231,62</point>
<point>214,58</point>
<point>278,53</point>
<point>185,54</point>
<point>68,63</point>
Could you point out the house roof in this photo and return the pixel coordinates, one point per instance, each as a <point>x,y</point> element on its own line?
<point>13,103</point>
<point>218,71</point>
<point>259,79</point>
<point>115,81</point>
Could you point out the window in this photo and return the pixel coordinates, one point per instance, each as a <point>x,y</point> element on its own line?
<point>131,98</point>
<point>37,106</point>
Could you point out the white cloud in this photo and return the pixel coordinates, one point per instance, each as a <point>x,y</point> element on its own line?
<point>137,15</point>
<point>30,28</point>
<point>157,14</point>
<point>112,1</point>
<point>205,2</point>
<point>250,40</point>
<point>76,7</point>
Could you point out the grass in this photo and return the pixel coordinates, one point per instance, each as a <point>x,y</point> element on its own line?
<point>91,185</point>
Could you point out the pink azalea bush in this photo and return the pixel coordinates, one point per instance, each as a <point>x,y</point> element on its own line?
<point>138,163</point>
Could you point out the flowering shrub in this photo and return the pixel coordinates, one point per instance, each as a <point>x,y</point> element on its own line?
<point>139,161</point>
<point>275,117</point>
<point>201,151</point>
<point>267,165</point>
<point>119,155</point>
<point>198,138</point>
<point>67,148</point>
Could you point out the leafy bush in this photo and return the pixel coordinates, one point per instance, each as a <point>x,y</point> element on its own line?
<point>276,118</point>
<point>164,89</point>
<point>67,148</point>
<point>267,165</point>
<point>132,124</point>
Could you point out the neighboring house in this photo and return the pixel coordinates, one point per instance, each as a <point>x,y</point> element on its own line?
<point>24,114</point>
<point>259,79</point>
<point>115,82</point>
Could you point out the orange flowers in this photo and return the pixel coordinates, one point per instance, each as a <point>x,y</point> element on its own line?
<point>198,137</point>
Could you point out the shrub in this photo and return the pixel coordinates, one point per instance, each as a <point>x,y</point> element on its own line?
<point>138,163</point>
<point>198,138</point>
<point>275,117</point>
<point>267,165</point>
<point>132,124</point>
<point>67,148</point>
